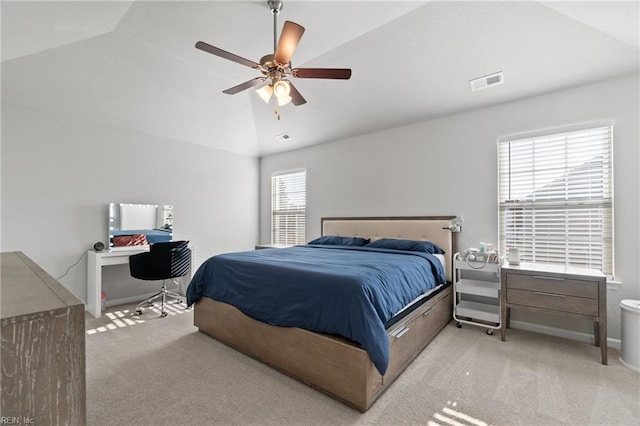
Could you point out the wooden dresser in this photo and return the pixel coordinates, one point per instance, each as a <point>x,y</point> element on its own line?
<point>557,290</point>
<point>43,347</point>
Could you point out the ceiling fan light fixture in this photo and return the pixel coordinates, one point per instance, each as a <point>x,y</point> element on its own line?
<point>265,93</point>
<point>283,100</point>
<point>281,88</point>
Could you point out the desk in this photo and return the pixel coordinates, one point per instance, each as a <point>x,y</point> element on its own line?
<point>557,290</point>
<point>95,261</point>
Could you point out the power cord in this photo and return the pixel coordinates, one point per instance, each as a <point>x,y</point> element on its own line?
<point>480,265</point>
<point>489,257</point>
<point>69,268</point>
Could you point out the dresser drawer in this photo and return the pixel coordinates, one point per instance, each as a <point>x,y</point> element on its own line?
<point>428,323</point>
<point>402,344</point>
<point>561,286</point>
<point>553,301</point>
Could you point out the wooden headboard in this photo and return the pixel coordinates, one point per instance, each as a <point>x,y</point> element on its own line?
<point>421,228</point>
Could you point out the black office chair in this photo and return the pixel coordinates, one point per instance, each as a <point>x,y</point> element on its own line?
<point>164,261</point>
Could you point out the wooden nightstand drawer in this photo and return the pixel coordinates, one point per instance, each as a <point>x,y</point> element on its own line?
<point>558,290</point>
<point>547,284</point>
<point>553,301</point>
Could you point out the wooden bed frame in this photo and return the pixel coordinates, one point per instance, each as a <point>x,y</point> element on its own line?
<point>331,364</point>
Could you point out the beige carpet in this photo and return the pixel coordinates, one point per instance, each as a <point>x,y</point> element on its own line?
<point>162,371</point>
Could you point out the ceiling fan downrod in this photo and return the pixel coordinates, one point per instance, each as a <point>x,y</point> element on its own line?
<point>275,7</point>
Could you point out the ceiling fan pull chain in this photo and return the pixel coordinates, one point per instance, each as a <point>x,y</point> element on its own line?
<point>275,109</point>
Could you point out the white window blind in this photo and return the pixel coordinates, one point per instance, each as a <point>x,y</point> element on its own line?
<point>288,207</point>
<point>556,198</point>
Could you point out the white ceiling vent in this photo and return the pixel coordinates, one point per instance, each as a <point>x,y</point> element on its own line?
<point>283,137</point>
<point>486,81</point>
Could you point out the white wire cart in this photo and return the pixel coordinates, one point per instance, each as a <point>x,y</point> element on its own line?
<point>476,286</point>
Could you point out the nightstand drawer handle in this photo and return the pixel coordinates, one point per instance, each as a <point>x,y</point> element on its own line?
<point>538,277</point>
<point>541,293</point>
<point>427,312</point>
<point>400,333</point>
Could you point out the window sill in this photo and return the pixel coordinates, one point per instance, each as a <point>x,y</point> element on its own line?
<point>613,285</point>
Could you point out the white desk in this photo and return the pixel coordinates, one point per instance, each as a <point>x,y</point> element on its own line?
<point>95,262</point>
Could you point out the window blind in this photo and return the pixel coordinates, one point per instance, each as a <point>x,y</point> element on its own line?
<point>288,207</point>
<point>556,198</point>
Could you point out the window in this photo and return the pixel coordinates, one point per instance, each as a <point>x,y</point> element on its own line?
<point>555,196</point>
<point>288,207</point>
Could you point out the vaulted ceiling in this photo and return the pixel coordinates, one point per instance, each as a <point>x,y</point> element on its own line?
<point>133,65</point>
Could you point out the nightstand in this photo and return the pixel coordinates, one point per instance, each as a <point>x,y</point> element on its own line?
<point>556,290</point>
<point>271,246</point>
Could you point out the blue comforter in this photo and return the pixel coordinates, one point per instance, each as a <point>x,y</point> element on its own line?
<point>348,291</point>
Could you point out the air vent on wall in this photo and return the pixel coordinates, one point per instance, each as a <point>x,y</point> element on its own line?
<point>283,137</point>
<point>486,81</point>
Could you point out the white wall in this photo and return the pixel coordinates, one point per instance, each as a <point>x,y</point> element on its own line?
<point>449,166</point>
<point>59,174</point>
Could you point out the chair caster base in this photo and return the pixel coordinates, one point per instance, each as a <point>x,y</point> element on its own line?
<point>490,331</point>
<point>137,313</point>
<point>163,314</point>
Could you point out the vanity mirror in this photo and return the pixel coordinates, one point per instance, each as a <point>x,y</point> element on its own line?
<point>139,224</point>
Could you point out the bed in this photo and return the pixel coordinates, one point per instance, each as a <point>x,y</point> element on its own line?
<point>354,368</point>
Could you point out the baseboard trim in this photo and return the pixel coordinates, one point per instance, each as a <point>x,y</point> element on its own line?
<point>559,332</point>
<point>632,367</point>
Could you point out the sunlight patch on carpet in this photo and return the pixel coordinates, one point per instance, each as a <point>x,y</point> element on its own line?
<point>452,417</point>
<point>118,319</point>
<point>124,318</point>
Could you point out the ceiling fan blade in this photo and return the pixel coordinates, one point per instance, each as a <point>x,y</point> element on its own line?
<point>289,39</point>
<point>296,97</point>
<point>226,55</point>
<point>335,73</point>
<point>244,86</point>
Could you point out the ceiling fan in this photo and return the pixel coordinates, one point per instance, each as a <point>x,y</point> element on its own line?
<point>276,68</point>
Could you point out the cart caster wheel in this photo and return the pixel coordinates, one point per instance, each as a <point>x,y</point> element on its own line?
<point>490,332</point>
<point>137,313</point>
<point>459,325</point>
<point>162,315</point>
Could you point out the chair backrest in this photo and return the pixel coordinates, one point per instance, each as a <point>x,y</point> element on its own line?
<point>164,260</point>
<point>180,258</point>
<point>169,245</point>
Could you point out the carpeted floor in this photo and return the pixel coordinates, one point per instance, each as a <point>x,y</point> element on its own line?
<point>162,371</point>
